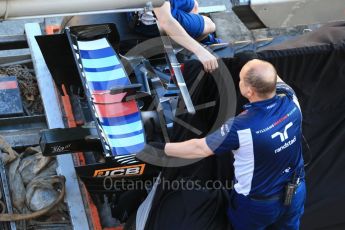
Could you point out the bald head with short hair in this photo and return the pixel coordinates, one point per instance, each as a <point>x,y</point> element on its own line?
<point>261,76</point>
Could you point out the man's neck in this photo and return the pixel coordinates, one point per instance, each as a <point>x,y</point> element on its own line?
<point>256,98</point>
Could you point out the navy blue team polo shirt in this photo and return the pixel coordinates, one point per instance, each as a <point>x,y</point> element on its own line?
<point>266,142</point>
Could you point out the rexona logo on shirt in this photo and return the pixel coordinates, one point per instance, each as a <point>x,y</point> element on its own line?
<point>133,170</point>
<point>283,137</point>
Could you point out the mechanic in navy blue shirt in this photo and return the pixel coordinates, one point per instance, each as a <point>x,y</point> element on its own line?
<point>266,142</point>
<point>181,21</point>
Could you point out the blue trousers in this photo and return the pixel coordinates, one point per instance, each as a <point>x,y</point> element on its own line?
<point>193,23</point>
<point>249,214</point>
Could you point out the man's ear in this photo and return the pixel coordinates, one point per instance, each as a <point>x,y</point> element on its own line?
<point>249,92</point>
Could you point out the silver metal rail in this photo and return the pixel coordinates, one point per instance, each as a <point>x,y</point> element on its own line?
<point>6,194</point>
<point>55,120</point>
<point>176,67</point>
<point>19,9</point>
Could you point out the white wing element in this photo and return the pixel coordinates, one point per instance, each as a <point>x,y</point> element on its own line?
<point>130,159</point>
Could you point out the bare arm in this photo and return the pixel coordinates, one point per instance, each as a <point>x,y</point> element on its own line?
<point>191,149</point>
<point>173,28</point>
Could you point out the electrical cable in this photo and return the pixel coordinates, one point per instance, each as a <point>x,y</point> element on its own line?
<point>308,151</point>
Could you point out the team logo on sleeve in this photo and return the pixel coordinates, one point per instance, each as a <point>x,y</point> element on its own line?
<point>224,129</point>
